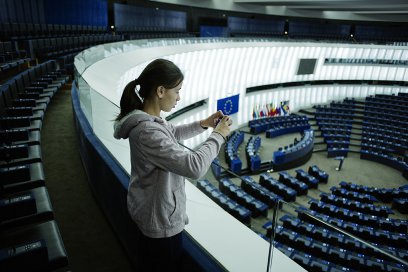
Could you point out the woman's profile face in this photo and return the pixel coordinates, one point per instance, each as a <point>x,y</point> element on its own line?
<point>170,98</point>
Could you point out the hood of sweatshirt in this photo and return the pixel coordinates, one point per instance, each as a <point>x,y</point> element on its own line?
<point>123,127</point>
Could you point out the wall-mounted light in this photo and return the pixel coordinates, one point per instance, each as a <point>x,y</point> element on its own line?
<point>112,27</point>
<point>286,33</point>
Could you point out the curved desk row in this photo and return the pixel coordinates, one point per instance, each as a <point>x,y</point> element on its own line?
<point>375,101</point>
<point>386,108</point>
<point>387,113</point>
<point>251,150</point>
<point>333,120</point>
<point>400,133</point>
<point>287,128</point>
<point>231,151</point>
<point>391,161</point>
<point>295,155</point>
<point>261,125</point>
<point>342,105</point>
<point>334,114</point>
<point>385,195</point>
<point>385,124</point>
<point>229,205</point>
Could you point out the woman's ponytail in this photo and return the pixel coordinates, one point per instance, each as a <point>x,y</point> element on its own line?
<point>159,72</point>
<point>130,100</point>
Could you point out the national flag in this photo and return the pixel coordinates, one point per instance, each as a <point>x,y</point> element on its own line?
<point>285,107</point>
<point>278,110</point>
<point>228,105</point>
<point>254,115</point>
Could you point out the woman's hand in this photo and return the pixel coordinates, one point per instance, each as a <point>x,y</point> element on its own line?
<point>211,121</point>
<point>223,126</point>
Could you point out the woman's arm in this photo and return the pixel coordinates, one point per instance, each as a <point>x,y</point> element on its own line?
<point>161,151</point>
<point>188,131</point>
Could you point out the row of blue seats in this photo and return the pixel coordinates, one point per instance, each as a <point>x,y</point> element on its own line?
<point>382,237</point>
<point>251,151</point>
<point>388,114</point>
<point>12,60</point>
<point>288,194</point>
<point>336,130</point>
<point>386,131</point>
<point>243,198</point>
<point>343,257</point>
<point>336,143</point>
<point>381,211</point>
<point>12,67</point>
<point>280,119</point>
<point>287,128</point>
<point>261,125</point>
<point>376,145</point>
<point>402,100</point>
<point>249,185</point>
<point>300,187</point>
<point>231,151</point>
<point>337,151</point>
<point>29,236</point>
<point>388,108</point>
<point>394,162</point>
<point>392,120</point>
<point>385,195</point>
<point>388,138</point>
<point>381,123</point>
<point>326,109</point>
<point>308,179</point>
<point>334,124</point>
<point>391,105</point>
<point>357,217</point>
<point>318,173</point>
<point>297,151</point>
<point>399,95</point>
<point>328,235</point>
<point>52,47</point>
<point>386,98</point>
<point>335,114</point>
<point>15,31</point>
<point>363,198</point>
<point>345,103</point>
<point>335,136</point>
<point>311,263</point>
<point>336,104</point>
<point>239,212</point>
<point>333,120</point>
<point>330,125</point>
<point>157,35</point>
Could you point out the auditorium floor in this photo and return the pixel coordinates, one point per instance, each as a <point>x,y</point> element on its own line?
<point>353,170</point>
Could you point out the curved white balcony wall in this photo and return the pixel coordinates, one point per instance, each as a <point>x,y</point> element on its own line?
<point>215,69</point>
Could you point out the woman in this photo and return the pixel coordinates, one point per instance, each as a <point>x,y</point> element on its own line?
<point>156,196</point>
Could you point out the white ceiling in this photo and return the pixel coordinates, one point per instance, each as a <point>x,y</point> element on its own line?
<point>356,10</point>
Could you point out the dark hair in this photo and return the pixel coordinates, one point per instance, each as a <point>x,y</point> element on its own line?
<point>159,72</point>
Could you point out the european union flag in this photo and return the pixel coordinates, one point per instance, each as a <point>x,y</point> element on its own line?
<point>228,105</point>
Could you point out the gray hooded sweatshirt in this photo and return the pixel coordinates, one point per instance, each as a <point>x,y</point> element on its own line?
<point>156,196</point>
